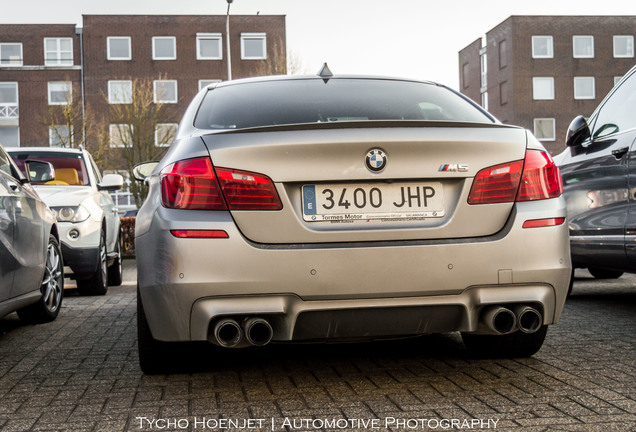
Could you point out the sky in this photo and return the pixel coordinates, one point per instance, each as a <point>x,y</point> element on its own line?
<point>406,38</point>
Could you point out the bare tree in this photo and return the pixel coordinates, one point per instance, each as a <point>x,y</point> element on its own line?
<point>137,130</point>
<point>66,120</point>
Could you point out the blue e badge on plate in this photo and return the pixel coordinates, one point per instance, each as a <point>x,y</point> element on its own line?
<point>309,199</point>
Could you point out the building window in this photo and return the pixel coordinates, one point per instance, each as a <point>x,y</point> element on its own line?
<point>119,92</point>
<point>60,93</point>
<point>120,135</point>
<point>483,67</point>
<point>165,91</point>
<point>503,93</point>
<point>253,46</point>
<point>9,100</point>
<point>10,136</point>
<point>545,129</point>
<point>10,54</point>
<point>118,48</point>
<point>206,82</point>
<point>165,133</point>
<point>583,46</point>
<point>209,46</point>
<point>617,79</point>
<point>465,75</point>
<point>58,52</point>
<point>503,54</point>
<point>60,136</point>
<point>584,88</point>
<point>164,48</point>
<point>542,88</point>
<point>623,46</point>
<point>542,47</point>
<point>484,100</point>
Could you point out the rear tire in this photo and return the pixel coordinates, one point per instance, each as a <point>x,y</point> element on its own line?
<point>47,308</point>
<point>154,355</point>
<point>517,344</point>
<point>97,284</point>
<point>599,273</point>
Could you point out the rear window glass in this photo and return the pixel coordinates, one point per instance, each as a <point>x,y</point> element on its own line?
<point>272,103</point>
<point>69,168</point>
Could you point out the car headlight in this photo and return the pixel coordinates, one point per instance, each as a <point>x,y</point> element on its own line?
<point>71,214</point>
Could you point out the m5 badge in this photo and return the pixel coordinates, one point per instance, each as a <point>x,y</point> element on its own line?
<point>453,168</point>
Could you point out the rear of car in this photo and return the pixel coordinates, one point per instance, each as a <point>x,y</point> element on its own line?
<point>311,209</point>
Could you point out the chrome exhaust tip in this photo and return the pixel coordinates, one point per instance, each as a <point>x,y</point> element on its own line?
<point>258,331</point>
<point>529,319</point>
<point>499,319</point>
<point>228,333</point>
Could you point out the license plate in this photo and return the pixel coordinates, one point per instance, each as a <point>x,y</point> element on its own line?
<point>343,202</point>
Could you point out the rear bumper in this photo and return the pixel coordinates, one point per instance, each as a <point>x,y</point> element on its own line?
<point>352,291</point>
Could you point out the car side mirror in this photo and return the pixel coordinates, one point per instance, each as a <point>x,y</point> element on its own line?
<point>143,170</point>
<point>111,182</point>
<point>578,132</point>
<point>39,171</point>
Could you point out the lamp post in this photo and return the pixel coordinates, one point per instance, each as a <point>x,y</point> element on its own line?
<point>227,40</point>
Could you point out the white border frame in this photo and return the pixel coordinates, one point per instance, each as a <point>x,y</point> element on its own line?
<point>108,56</point>
<point>534,128</point>
<point>262,37</point>
<point>157,126</point>
<point>21,55</point>
<point>70,91</point>
<point>614,46</point>
<point>534,80</point>
<point>550,53</point>
<point>574,38</point>
<point>165,101</point>
<point>111,100</point>
<point>209,36</point>
<point>154,50</point>
<point>58,61</point>
<point>586,78</point>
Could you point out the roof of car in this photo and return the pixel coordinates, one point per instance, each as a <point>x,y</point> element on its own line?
<point>43,149</point>
<point>312,77</point>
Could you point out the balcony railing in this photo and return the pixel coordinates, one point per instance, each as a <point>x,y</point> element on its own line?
<point>9,111</point>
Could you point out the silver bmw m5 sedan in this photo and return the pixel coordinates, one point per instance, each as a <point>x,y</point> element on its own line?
<point>338,208</point>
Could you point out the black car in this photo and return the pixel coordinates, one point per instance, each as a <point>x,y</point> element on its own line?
<point>599,180</point>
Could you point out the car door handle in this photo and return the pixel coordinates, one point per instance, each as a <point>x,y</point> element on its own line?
<point>619,153</point>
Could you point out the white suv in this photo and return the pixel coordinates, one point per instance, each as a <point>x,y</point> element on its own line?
<point>87,218</point>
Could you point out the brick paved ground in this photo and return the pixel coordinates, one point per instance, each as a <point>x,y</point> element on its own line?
<point>80,373</point>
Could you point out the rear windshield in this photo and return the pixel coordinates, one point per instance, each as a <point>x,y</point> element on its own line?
<point>271,103</point>
<point>69,168</point>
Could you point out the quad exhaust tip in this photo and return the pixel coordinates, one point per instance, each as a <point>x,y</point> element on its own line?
<point>504,320</point>
<point>228,333</point>
<point>258,331</point>
<point>529,320</point>
<point>500,319</point>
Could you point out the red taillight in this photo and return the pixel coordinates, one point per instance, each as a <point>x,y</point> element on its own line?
<point>539,223</point>
<point>541,177</point>
<point>218,234</point>
<point>248,191</point>
<point>535,178</point>
<point>497,184</point>
<point>191,185</point>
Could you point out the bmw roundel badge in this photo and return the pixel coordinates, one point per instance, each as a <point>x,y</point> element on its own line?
<point>376,160</point>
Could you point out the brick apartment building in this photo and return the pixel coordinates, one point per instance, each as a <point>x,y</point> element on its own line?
<point>540,72</point>
<point>43,65</point>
